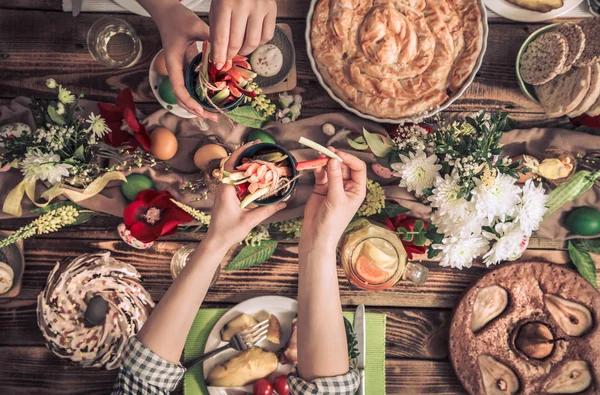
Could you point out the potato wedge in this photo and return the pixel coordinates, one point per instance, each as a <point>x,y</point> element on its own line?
<point>236,325</point>
<point>245,368</point>
<point>538,5</point>
<point>274,332</point>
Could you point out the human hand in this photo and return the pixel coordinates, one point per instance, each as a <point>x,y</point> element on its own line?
<point>239,26</point>
<point>179,30</point>
<point>229,223</point>
<point>339,191</point>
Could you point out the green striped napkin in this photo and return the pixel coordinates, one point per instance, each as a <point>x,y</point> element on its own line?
<point>193,383</point>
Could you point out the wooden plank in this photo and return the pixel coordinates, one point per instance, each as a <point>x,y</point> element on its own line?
<point>28,370</point>
<point>34,54</point>
<point>411,333</point>
<point>278,276</point>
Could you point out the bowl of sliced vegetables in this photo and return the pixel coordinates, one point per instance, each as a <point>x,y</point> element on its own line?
<point>219,90</point>
<point>265,174</point>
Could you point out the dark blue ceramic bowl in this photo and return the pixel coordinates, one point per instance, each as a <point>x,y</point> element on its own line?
<point>265,148</point>
<point>191,79</point>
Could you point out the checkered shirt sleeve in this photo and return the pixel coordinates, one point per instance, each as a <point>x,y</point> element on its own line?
<point>346,384</point>
<point>144,372</point>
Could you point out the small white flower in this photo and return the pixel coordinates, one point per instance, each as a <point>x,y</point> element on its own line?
<point>417,171</point>
<point>60,108</point>
<point>65,96</point>
<point>496,199</point>
<point>459,252</point>
<point>98,125</point>
<point>532,208</point>
<point>45,167</point>
<point>51,83</point>
<point>509,246</point>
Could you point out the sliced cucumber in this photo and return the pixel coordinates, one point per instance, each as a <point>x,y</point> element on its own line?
<point>236,176</point>
<point>318,147</point>
<point>221,96</point>
<point>254,196</point>
<point>273,157</point>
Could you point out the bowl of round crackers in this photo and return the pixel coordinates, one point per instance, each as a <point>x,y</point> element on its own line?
<point>558,66</point>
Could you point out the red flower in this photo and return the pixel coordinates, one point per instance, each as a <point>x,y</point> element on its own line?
<point>122,116</point>
<point>592,122</point>
<point>153,215</point>
<point>401,221</point>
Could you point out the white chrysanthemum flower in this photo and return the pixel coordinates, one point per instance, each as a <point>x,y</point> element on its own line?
<point>98,125</point>
<point>532,208</point>
<point>65,96</point>
<point>497,198</point>
<point>459,252</point>
<point>417,171</point>
<point>51,83</point>
<point>509,246</point>
<point>60,108</point>
<point>44,167</point>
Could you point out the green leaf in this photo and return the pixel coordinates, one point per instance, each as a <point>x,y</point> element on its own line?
<point>591,245</point>
<point>54,115</point>
<point>432,253</point>
<point>420,239</point>
<point>84,214</point>
<point>433,235</point>
<point>247,115</point>
<point>584,263</point>
<point>351,339</point>
<point>357,144</point>
<point>250,256</point>
<point>379,148</point>
<point>393,209</point>
<point>80,153</point>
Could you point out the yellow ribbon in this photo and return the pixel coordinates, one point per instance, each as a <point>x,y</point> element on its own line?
<point>12,204</point>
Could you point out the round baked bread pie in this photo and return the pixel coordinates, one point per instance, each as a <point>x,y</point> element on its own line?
<point>575,41</point>
<point>591,52</point>
<point>529,328</point>
<point>396,58</point>
<point>6,278</point>
<point>565,92</point>
<point>594,110</point>
<point>544,58</point>
<point>592,94</point>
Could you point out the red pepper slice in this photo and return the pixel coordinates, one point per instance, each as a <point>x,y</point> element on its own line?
<point>246,92</point>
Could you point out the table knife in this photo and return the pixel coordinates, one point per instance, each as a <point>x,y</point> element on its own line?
<point>360,330</point>
<point>76,7</point>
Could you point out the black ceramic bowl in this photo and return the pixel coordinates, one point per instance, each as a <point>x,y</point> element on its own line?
<point>191,79</point>
<point>265,148</point>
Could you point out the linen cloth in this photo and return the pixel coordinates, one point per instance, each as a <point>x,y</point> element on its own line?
<point>144,372</point>
<point>111,201</point>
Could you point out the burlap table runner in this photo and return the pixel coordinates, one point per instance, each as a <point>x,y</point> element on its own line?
<point>111,201</point>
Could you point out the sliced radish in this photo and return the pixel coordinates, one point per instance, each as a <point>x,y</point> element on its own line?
<point>234,91</point>
<point>312,164</point>
<point>251,169</point>
<point>261,171</point>
<point>220,84</point>
<point>227,66</point>
<point>318,147</point>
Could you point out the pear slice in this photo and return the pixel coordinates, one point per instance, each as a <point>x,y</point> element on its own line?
<point>574,318</point>
<point>573,377</point>
<point>498,379</point>
<point>274,332</point>
<point>490,302</point>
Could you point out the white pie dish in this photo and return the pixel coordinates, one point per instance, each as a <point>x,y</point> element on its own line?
<point>416,117</point>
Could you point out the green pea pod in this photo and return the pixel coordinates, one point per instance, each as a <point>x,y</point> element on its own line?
<point>570,190</point>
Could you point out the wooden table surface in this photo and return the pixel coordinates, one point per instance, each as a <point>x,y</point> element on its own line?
<point>38,41</point>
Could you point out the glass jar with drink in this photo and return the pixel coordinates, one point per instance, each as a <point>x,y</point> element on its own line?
<point>374,258</point>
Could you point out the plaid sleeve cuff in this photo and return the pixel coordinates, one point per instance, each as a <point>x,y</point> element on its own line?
<point>346,384</point>
<point>144,372</point>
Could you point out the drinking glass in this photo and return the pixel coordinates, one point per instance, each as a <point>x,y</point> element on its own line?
<point>114,43</point>
<point>182,257</point>
<point>374,258</point>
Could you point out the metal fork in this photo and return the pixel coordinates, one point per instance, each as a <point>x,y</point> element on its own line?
<point>240,342</point>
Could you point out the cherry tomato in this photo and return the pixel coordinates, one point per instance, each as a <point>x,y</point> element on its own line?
<point>280,385</point>
<point>263,387</point>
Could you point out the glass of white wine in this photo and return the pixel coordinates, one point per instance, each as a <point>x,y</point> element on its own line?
<point>114,43</point>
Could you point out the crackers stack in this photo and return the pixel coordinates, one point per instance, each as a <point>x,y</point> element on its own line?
<point>564,67</point>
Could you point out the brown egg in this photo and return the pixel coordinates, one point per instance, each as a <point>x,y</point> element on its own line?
<point>522,177</point>
<point>160,65</point>
<point>205,154</point>
<point>164,143</point>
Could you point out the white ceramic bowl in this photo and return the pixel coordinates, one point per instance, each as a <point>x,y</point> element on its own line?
<point>442,107</point>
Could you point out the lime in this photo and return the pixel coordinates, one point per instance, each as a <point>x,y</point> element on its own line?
<point>261,135</point>
<point>166,91</point>
<point>135,184</point>
<point>583,221</point>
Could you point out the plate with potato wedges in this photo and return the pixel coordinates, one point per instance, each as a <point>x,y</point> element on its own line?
<point>233,372</point>
<point>531,10</point>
